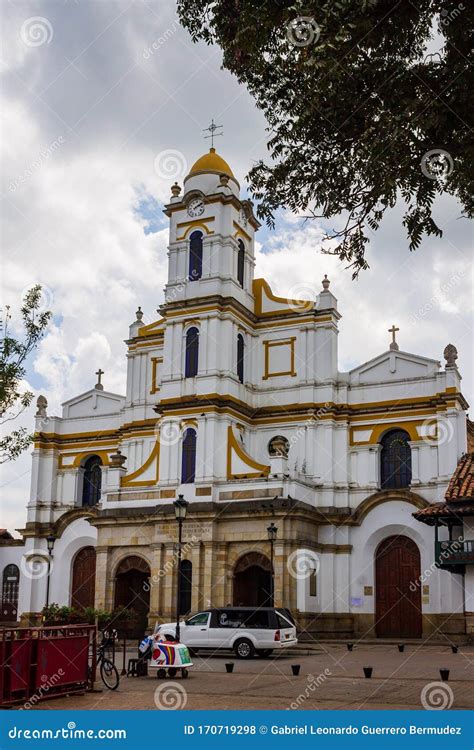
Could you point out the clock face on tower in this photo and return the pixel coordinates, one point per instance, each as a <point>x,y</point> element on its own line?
<point>196,207</point>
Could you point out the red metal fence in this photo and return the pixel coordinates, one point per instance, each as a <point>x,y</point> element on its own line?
<point>40,663</point>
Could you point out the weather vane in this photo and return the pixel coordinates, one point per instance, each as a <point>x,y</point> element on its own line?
<point>212,131</point>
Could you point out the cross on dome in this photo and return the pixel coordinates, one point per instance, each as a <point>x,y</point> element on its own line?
<point>212,131</point>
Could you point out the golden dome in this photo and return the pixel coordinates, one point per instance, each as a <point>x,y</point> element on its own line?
<point>211,162</point>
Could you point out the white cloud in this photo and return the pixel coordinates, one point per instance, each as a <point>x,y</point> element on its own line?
<point>85,117</point>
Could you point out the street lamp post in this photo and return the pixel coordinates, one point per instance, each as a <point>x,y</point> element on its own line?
<point>272,531</point>
<point>180,509</point>
<point>50,544</point>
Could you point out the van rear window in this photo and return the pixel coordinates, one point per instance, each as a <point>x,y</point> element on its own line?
<point>235,618</point>
<point>283,622</point>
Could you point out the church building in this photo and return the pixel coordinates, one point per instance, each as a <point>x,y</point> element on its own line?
<point>302,480</point>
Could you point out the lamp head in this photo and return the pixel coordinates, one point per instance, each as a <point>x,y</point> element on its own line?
<point>180,508</point>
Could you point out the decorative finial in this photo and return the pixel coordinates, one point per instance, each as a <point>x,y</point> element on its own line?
<point>139,314</point>
<point>117,460</point>
<point>41,406</point>
<point>393,345</point>
<point>325,283</point>
<point>450,354</point>
<point>98,386</point>
<point>212,132</point>
<point>175,190</point>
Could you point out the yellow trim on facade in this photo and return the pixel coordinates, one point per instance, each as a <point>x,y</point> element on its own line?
<point>241,232</point>
<point>261,287</point>
<point>233,444</point>
<point>410,426</point>
<point>129,479</point>
<point>194,224</point>
<point>79,457</point>
<point>152,328</point>
<point>155,361</point>
<point>268,344</point>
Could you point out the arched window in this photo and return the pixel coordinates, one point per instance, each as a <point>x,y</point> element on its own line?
<point>92,481</point>
<point>195,256</point>
<point>395,460</point>
<point>240,357</point>
<point>185,587</point>
<point>241,263</point>
<point>192,353</point>
<point>10,586</point>
<point>188,461</point>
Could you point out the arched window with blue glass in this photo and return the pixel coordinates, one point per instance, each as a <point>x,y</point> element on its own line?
<point>240,357</point>
<point>395,460</point>
<point>188,459</point>
<point>195,256</point>
<point>192,353</point>
<point>92,481</point>
<point>241,263</point>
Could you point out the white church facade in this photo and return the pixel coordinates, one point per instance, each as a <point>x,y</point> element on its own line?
<point>234,400</point>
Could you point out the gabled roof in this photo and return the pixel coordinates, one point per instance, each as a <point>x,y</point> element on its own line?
<point>461,486</point>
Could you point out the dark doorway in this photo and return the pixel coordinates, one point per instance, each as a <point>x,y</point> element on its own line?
<point>132,590</point>
<point>83,578</point>
<point>397,589</point>
<point>252,581</point>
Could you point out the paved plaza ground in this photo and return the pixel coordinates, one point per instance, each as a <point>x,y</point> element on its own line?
<point>331,677</point>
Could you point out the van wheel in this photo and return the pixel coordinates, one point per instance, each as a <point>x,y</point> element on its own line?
<point>263,652</point>
<point>244,649</point>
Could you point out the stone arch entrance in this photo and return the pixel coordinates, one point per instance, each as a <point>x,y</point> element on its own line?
<point>398,589</point>
<point>132,590</point>
<point>252,581</point>
<point>83,578</point>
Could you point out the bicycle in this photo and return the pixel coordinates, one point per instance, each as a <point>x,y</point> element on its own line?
<point>107,669</point>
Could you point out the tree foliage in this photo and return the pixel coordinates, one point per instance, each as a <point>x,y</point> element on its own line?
<point>355,104</point>
<point>13,355</point>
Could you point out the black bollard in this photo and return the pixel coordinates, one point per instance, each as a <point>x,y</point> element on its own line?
<point>454,649</point>
<point>444,674</point>
<point>350,646</point>
<point>401,647</point>
<point>295,668</point>
<point>368,672</point>
<point>229,667</point>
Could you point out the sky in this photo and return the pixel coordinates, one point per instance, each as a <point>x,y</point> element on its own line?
<point>104,106</point>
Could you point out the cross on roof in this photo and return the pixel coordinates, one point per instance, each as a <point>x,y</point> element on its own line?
<point>99,385</point>
<point>212,131</point>
<point>393,331</point>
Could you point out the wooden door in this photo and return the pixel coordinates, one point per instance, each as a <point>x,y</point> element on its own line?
<point>83,579</point>
<point>397,589</point>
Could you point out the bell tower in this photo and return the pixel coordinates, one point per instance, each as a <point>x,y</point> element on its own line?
<point>211,244</point>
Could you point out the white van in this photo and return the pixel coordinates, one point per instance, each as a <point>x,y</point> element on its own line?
<point>245,630</point>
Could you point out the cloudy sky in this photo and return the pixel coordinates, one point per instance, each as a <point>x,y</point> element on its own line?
<point>94,92</point>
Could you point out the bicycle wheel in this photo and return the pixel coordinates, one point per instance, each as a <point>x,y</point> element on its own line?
<point>110,676</point>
